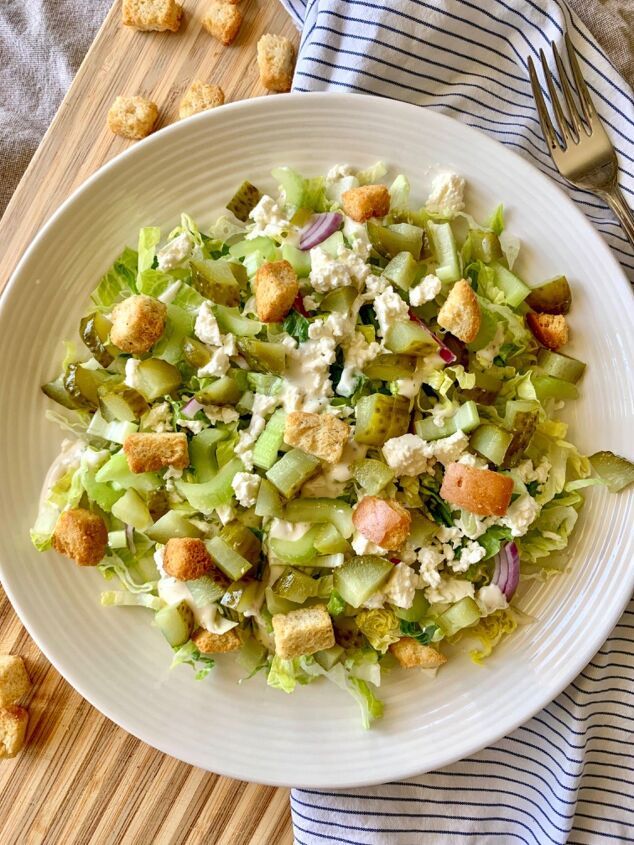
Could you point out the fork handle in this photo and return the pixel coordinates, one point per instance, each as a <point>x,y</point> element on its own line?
<point>619,206</point>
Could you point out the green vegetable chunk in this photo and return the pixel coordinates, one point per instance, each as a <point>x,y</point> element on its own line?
<point>215,280</point>
<point>244,201</point>
<point>460,615</point>
<point>617,472</point>
<point>409,338</point>
<point>443,244</point>
<point>491,442</point>
<point>560,366</point>
<point>390,367</point>
<point>380,417</point>
<point>361,576</point>
<point>176,623</point>
<point>553,297</point>
<point>264,357</point>
<point>270,441</point>
<point>371,475</point>
<point>291,471</point>
<point>172,524</point>
<point>465,419</point>
<point>521,418</point>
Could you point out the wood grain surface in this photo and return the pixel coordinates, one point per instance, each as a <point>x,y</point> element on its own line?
<point>81,779</point>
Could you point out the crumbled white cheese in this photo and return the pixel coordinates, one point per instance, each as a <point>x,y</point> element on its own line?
<point>473,461</point>
<point>283,530</point>
<point>220,413</point>
<point>521,513</point>
<point>225,513</point>
<point>173,472</point>
<point>206,327</point>
<point>374,285</point>
<point>195,426</point>
<point>401,586</point>
<point>447,194</point>
<point>175,251</point>
<point>425,291</point>
<point>310,303</point>
<point>527,472</point>
<point>307,379</point>
<point>328,273</point>
<point>449,590</point>
<point>159,418</point>
<point>170,292</point>
<point>389,308</point>
<point>132,374</point>
<point>363,546</point>
<point>269,219</point>
<point>338,171</point>
<point>449,449</point>
<point>335,325</point>
<point>486,355</point>
<point>217,365</point>
<point>430,560</point>
<point>245,486</point>
<point>472,552</point>
<point>490,598</point>
<point>357,354</point>
<point>357,236</point>
<point>409,454</point>
<point>262,407</point>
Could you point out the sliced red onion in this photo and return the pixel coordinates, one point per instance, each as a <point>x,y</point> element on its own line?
<point>129,539</point>
<point>190,410</point>
<point>318,228</point>
<point>444,351</point>
<point>298,305</point>
<point>506,575</point>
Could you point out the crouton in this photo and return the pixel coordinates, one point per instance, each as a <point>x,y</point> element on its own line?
<point>411,654</point>
<point>149,452</point>
<point>365,202</point>
<point>14,679</point>
<point>81,535</point>
<point>200,96</point>
<point>13,724</point>
<point>322,435</point>
<point>302,631</point>
<point>209,643</point>
<point>276,61</point>
<point>385,522</point>
<point>137,323</point>
<point>460,313</point>
<point>132,117</point>
<point>152,15</point>
<point>276,288</point>
<point>551,330</point>
<point>479,491</point>
<point>222,20</point>
<point>186,558</point>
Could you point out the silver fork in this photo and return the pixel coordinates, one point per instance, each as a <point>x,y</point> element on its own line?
<point>583,153</point>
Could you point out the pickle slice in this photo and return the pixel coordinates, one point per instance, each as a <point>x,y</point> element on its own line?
<point>553,297</point>
<point>380,417</point>
<point>244,201</point>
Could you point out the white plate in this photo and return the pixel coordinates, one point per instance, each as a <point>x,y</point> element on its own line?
<point>113,657</point>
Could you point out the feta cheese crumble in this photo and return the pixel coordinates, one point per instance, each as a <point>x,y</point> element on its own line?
<point>410,455</point>
<point>357,354</point>
<point>490,598</point>
<point>449,590</point>
<point>425,291</point>
<point>521,513</point>
<point>389,308</point>
<point>175,251</point>
<point>206,326</point>
<point>245,486</point>
<point>447,194</point>
<point>269,219</point>
<point>328,273</point>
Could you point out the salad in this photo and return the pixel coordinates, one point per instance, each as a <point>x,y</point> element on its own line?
<point>322,433</point>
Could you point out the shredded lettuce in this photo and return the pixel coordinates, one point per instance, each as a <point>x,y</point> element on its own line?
<point>124,598</point>
<point>371,174</point>
<point>202,664</point>
<point>399,192</point>
<point>380,627</point>
<point>149,239</point>
<point>119,280</point>
<point>496,221</point>
<point>63,495</point>
<point>112,566</point>
<point>157,282</point>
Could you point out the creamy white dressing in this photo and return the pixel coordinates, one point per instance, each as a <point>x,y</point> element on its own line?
<point>209,617</point>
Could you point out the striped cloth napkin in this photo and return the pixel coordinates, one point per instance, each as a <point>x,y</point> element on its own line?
<point>565,776</point>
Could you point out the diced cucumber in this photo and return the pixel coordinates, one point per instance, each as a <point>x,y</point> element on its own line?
<point>117,539</point>
<point>214,280</point>
<point>333,244</point>
<point>264,357</point>
<point>227,559</point>
<point>329,657</point>
<point>292,470</point>
<point>416,612</point>
<point>103,494</point>
<point>371,475</point>
<point>560,366</point>
<point>491,442</point>
<point>263,249</point>
<point>176,623</point>
<point>178,327</point>
<point>172,524</point>
<point>402,270</point>
<point>298,259</point>
<point>380,417</point>
<point>514,289</point>
<point>270,441</point>
<point>115,431</point>
<point>339,300</point>
<point>207,589</point>
<point>443,244</point>
<point>209,495</point>
<point>157,378</point>
<point>319,511</point>
<point>328,561</point>
<point>330,541</point>
<point>292,183</point>
<point>298,552</point>
<point>361,576</point>
<point>549,387</point>
<point>409,338</point>
<point>231,320</point>
<point>460,615</point>
<point>465,419</point>
<point>117,472</point>
<point>389,367</point>
<point>131,509</point>
<point>268,503</point>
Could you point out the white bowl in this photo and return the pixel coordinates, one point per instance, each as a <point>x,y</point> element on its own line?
<point>113,657</point>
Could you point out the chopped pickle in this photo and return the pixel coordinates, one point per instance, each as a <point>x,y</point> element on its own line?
<point>460,615</point>
<point>491,442</point>
<point>371,475</point>
<point>561,366</point>
<point>176,623</point>
<point>617,472</point>
<point>215,280</point>
<point>380,417</point>
<point>94,330</point>
<point>389,241</point>
<point>264,357</point>
<point>361,576</point>
<point>339,300</point>
<point>402,270</point>
<point>465,419</point>
<point>409,338</point>
<point>521,418</point>
<point>553,297</point>
<point>82,383</point>
<point>390,367</point>
<point>120,402</point>
<point>195,353</point>
<point>292,470</point>
<point>244,201</point>
<point>222,391</point>
<point>242,540</point>
<point>157,378</point>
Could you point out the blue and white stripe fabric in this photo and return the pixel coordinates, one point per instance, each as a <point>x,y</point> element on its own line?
<point>567,776</point>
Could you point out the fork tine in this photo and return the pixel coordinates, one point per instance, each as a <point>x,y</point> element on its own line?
<point>544,118</point>
<point>575,117</point>
<point>582,89</point>
<point>562,123</point>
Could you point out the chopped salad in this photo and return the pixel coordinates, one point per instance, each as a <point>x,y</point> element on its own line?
<point>322,433</point>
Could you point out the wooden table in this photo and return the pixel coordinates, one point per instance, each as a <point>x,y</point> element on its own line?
<point>82,779</point>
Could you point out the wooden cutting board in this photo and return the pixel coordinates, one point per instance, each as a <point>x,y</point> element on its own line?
<point>81,779</point>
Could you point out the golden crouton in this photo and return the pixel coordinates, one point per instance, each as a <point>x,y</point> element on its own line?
<point>302,631</point>
<point>209,643</point>
<point>479,491</point>
<point>321,435</point>
<point>276,61</point>
<point>460,313</point>
<point>384,521</point>
<point>149,452</point>
<point>200,96</point>
<point>365,202</point>
<point>551,330</point>
<point>156,15</point>
<point>81,535</point>
<point>222,20</point>
<point>186,558</point>
<point>14,680</point>
<point>276,288</point>
<point>137,323</point>
<point>13,723</point>
<point>411,654</point>
<point>132,117</point>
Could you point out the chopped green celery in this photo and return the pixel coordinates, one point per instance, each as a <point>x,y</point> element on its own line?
<point>460,615</point>
<point>368,332</point>
<point>114,431</point>
<point>521,417</point>
<point>617,472</point>
<point>295,586</point>
<point>380,417</point>
<point>176,623</point>
<point>513,288</point>
<point>275,604</point>
<point>215,280</point>
<point>332,561</point>
<point>231,320</point>
<point>333,244</point>
<point>409,338</point>
<point>195,353</point>
<point>422,530</point>
<point>94,330</point>
<point>244,201</point>
<point>225,451</point>
<point>465,419</point>
<point>172,524</point>
<point>561,366</point>
<point>292,183</point>
<point>291,471</point>
<point>360,577</point>
<point>553,297</point>
<point>371,475</point>
<point>329,657</point>
<point>102,494</point>
<point>202,452</point>
<point>443,245</point>
<point>131,509</point>
<point>298,259</point>
<point>117,472</point>
<point>485,246</point>
<point>416,612</point>
<point>207,589</point>
<point>211,494</point>
<point>121,403</point>
<point>117,539</point>
<point>56,391</point>
<point>222,391</point>
<point>270,441</point>
<point>339,300</point>
<point>242,540</point>
<point>157,378</point>
<point>319,511</point>
<point>389,241</point>
<point>491,442</point>
<point>263,356</point>
<point>330,541</point>
<point>402,270</point>
<point>300,551</point>
<point>228,560</point>
<point>487,332</point>
<point>389,367</point>
<point>254,252</point>
<point>549,387</point>
<point>241,595</point>
<point>83,383</point>
<point>264,383</point>
<point>268,503</point>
